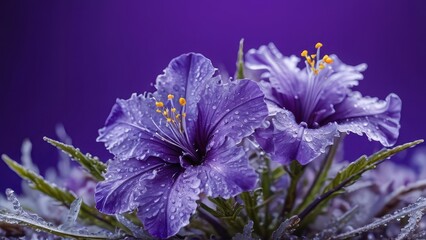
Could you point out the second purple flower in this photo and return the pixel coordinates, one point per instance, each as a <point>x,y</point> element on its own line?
<point>313,105</point>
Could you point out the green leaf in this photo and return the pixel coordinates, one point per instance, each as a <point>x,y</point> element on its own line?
<point>354,170</point>
<point>349,176</point>
<point>240,61</point>
<point>227,208</point>
<point>91,164</point>
<point>87,213</point>
<point>277,173</point>
<point>227,211</point>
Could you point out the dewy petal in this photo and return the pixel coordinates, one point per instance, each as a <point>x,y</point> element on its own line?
<point>185,77</point>
<point>130,131</point>
<point>124,182</point>
<point>334,83</point>
<point>225,171</point>
<point>233,109</point>
<point>278,73</point>
<point>294,141</point>
<point>379,120</point>
<point>169,201</point>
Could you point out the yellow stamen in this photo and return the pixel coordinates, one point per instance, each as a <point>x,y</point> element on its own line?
<point>182,101</point>
<point>318,45</point>
<point>158,110</point>
<point>316,71</point>
<point>325,57</point>
<point>177,116</point>
<point>159,104</point>
<point>313,55</point>
<point>170,96</point>
<point>310,61</point>
<point>183,114</point>
<point>169,119</point>
<point>328,60</point>
<point>321,66</point>
<point>173,110</point>
<point>304,53</point>
<point>165,113</point>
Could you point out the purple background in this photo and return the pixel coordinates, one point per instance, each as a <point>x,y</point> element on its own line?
<point>67,61</point>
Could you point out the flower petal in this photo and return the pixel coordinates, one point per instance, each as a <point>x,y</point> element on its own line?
<point>233,109</point>
<point>278,72</point>
<point>334,83</point>
<point>379,120</point>
<point>169,201</point>
<point>226,171</point>
<point>130,130</point>
<point>124,182</point>
<point>292,141</point>
<point>185,77</point>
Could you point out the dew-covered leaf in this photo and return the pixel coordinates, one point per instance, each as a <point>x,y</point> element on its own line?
<point>21,217</point>
<point>413,221</point>
<point>414,211</point>
<point>353,171</point>
<point>285,228</point>
<point>91,164</point>
<point>137,231</point>
<point>349,176</point>
<point>37,182</point>
<point>72,214</point>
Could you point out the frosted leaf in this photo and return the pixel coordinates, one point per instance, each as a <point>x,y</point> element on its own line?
<point>285,227</point>
<point>414,210</point>
<point>72,214</point>
<point>23,218</point>
<point>411,226</point>
<point>14,200</point>
<point>137,231</point>
<point>246,235</point>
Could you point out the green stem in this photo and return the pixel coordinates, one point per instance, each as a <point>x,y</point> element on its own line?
<point>227,220</point>
<point>267,194</point>
<point>295,172</point>
<point>320,178</point>
<point>250,206</point>
<point>322,198</point>
<point>220,230</point>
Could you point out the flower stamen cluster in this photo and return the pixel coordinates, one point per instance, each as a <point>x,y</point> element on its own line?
<point>320,63</point>
<point>170,113</point>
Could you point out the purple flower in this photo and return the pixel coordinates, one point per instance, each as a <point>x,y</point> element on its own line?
<point>178,142</point>
<point>313,105</point>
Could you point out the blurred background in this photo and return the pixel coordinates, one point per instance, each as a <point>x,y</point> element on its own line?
<point>67,61</point>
